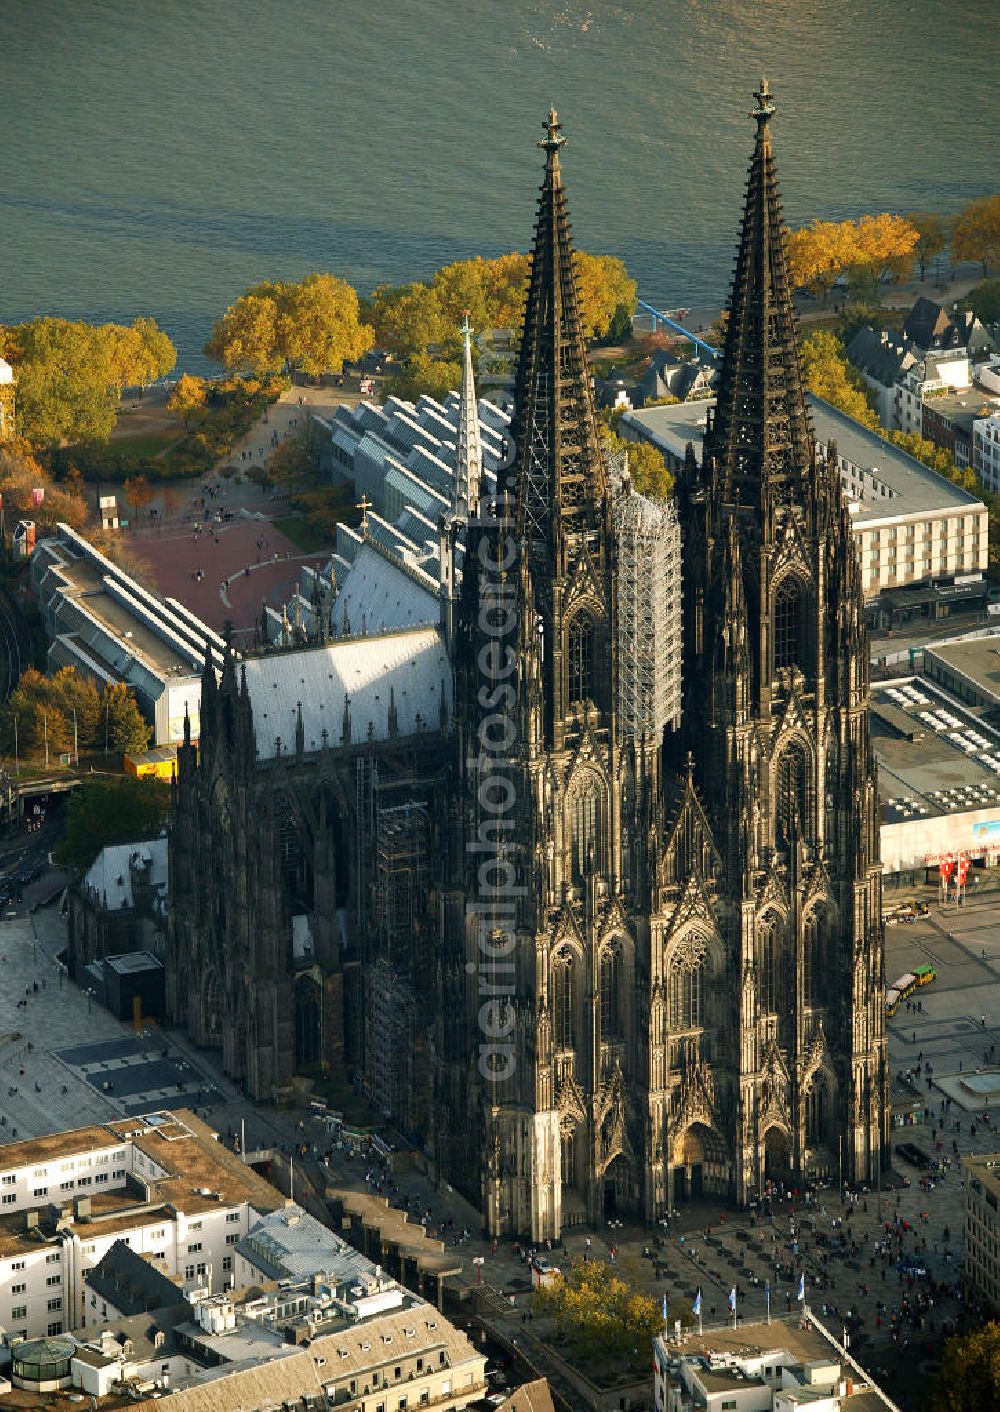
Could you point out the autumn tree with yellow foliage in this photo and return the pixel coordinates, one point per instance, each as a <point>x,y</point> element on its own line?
<point>884,247</point>
<point>409,318</point>
<point>829,375</point>
<point>818,255</point>
<point>21,475</point>
<point>70,375</point>
<point>602,1314</point>
<point>314,327</point>
<point>871,248</point>
<point>188,396</point>
<point>976,235</point>
<point>647,468</point>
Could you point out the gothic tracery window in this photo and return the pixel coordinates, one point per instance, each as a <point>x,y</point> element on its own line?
<point>786,625</point>
<point>611,970</point>
<point>580,651</point>
<point>816,1114</point>
<point>790,795</point>
<point>814,957</point>
<point>563,1000</point>
<point>687,995</point>
<point>770,967</point>
<point>583,830</point>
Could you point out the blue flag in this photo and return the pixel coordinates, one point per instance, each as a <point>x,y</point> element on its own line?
<point>664,1308</point>
<point>732,1300</point>
<point>696,1306</point>
<point>802,1287</point>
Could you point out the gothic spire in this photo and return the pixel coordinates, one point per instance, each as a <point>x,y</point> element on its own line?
<point>760,435</point>
<point>561,477</point>
<point>469,462</point>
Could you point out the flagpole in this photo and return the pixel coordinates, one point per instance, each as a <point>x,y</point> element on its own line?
<point>767,1296</point>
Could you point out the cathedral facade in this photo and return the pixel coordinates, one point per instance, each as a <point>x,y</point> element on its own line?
<point>590,952</point>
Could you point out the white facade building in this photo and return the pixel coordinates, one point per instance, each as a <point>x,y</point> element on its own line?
<point>780,1367</point>
<point>111,629</point>
<point>163,1183</point>
<point>986,450</point>
<point>910,524</point>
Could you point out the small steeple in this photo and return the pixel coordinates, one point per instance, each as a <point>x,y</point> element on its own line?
<point>759,436</point>
<point>300,733</point>
<point>469,458</point>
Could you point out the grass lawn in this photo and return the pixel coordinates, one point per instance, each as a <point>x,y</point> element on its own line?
<point>301,532</point>
<point>149,444</point>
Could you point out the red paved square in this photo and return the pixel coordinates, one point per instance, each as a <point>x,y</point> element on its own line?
<point>223,553</point>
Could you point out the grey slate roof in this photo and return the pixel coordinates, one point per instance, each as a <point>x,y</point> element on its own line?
<point>883,359</point>
<point>291,1243</point>
<point>133,1285</point>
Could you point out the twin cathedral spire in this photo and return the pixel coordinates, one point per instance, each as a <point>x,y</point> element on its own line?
<point>701,927</point>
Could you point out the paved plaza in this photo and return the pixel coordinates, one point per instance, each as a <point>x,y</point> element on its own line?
<point>65,1061</point>
<point>225,570</point>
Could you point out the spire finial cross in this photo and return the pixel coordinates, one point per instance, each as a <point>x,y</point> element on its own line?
<point>553,139</point>
<point>763,103</point>
<point>364,505</point>
<point>466,329</point>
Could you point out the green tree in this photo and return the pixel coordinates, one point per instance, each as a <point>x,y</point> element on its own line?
<point>854,316</point>
<point>933,236</point>
<point>70,375</point>
<point>188,397</point>
<point>32,721</point>
<point>829,375</point>
<point>970,1372</point>
<point>422,375</point>
<point>120,720</point>
<point>984,301</point>
<point>105,811</point>
<point>926,452</point>
<point>600,1312</point>
<point>976,235</point>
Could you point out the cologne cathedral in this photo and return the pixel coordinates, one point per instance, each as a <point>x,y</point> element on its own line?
<point>589,910</point>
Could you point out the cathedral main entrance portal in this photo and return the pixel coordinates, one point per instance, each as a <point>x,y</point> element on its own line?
<point>776,1163</point>
<point>698,1165</point>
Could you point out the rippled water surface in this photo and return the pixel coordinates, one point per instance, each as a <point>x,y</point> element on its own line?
<point>159,157</point>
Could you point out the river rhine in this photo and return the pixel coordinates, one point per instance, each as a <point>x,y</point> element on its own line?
<point>159,157</point>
